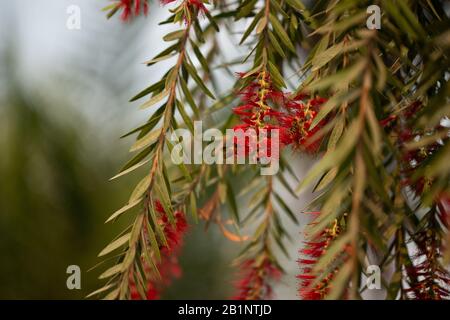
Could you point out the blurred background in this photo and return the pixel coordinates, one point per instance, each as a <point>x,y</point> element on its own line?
<point>63,104</point>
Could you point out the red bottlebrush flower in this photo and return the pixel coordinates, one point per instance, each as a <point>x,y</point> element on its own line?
<point>168,267</point>
<point>311,253</point>
<point>197,4</point>
<point>412,158</point>
<point>258,114</point>
<point>255,142</point>
<point>132,7</point>
<point>427,278</point>
<point>265,106</point>
<point>298,120</point>
<point>257,98</point>
<point>255,279</point>
<point>173,232</point>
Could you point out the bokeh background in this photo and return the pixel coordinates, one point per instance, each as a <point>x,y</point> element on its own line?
<point>63,104</point>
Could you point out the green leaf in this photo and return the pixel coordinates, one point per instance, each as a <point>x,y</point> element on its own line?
<point>382,72</point>
<point>188,97</point>
<point>253,71</point>
<point>140,189</point>
<point>157,227</point>
<point>102,289</point>
<point>232,202</point>
<point>412,19</point>
<point>276,75</point>
<point>115,244</point>
<point>155,99</point>
<point>158,59</point>
<point>197,79</point>
<point>276,45</point>
<point>342,25</point>
<point>187,120</point>
<point>279,30</point>
<point>375,130</point>
<point>129,258</point>
<point>146,140</point>
<point>112,11</point>
<point>336,133</point>
<point>200,57</point>
<point>326,179</point>
<point>346,96</point>
<point>136,231</point>
<point>261,25</point>
<point>148,258</point>
<point>165,52</point>
<point>399,18</point>
<point>341,79</point>
<point>112,295</point>
<point>123,209</point>
<point>335,157</point>
<point>154,87</point>
<point>245,8</point>
<point>154,244</point>
<point>288,187</point>
<point>141,155</point>
<point>297,5</point>
<point>280,244</point>
<point>110,6</point>
<point>193,205</point>
<point>175,35</point>
<point>164,198</point>
<point>130,169</point>
<point>286,208</point>
<point>326,56</point>
<point>252,26</point>
<point>211,20</point>
<point>149,125</point>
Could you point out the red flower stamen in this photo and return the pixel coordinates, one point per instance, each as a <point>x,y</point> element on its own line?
<point>168,267</point>
<point>256,278</point>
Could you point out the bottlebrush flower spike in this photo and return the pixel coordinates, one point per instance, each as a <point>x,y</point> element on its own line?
<point>197,4</point>
<point>258,113</point>
<point>265,107</point>
<point>411,158</point>
<point>297,122</point>
<point>169,267</point>
<point>256,277</point>
<point>428,279</point>
<point>194,4</point>
<point>132,8</point>
<point>259,100</point>
<point>311,254</point>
